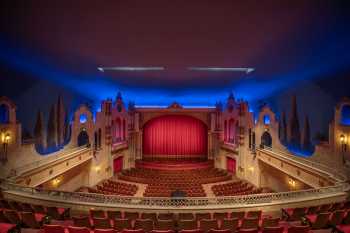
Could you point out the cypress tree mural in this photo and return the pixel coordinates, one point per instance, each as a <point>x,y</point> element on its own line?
<point>283,128</point>
<point>52,129</point>
<point>293,126</point>
<point>66,132</point>
<point>39,133</point>
<point>306,141</point>
<point>60,121</point>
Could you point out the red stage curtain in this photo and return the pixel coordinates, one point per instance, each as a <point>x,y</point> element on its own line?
<point>175,135</point>
<point>118,164</point>
<point>231,165</point>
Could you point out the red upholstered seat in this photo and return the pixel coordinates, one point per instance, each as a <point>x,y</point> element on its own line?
<point>192,231</point>
<point>160,231</point>
<point>54,229</point>
<point>219,231</point>
<point>343,228</point>
<point>272,230</point>
<point>72,229</point>
<point>133,231</point>
<point>254,230</point>
<point>298,229</point>
<point>5,227</point>
<point>104,231</point>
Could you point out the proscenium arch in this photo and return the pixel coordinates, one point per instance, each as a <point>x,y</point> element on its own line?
<point>205,122</point>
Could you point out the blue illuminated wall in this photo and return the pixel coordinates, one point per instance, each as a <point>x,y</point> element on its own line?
<point>345,115</point>
<point>4,114</point>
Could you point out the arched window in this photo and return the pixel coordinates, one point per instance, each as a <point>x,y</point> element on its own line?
<point>266,139</point>
<point>4,114</point>
<point>83,118</point>
<point>267,120</point>
<point>83,138</point>
<point>345,115</point>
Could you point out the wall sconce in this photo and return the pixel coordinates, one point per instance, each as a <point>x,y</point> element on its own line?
<point>5,139</point>
<point>343,145</point>
<point>97,169</point>
<point>251,169</point>
<point>292,183</point>
<point>56,182</point>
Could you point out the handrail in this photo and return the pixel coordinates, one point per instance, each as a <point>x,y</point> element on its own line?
<point>154,202</point>
<point>58,156</point>
<point>332,171</point>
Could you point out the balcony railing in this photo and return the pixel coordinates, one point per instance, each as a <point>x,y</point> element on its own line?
<point>152,202</point>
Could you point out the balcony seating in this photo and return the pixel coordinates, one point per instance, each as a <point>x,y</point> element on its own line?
<point>83,221</point>
<point>121,224</point>
<point>12,216</point>
<point>185,216</point>
<point>165,225</point>
<point>250,223</point>
<point>110,187</point>
<point>102,223</point>
<point>78,229</point>
<point>200,216</point>
<point>239,215</point>
<point>220,216</point>
<point>295,214</point>
<point>337,217</point>
<point>270,222</point>
<point>187,224</point>
<point>234,189</point>
<point>57,213</point>
<point>230,224</point>
<point>53,229</point>
<point>114,214</point>
<point>299,229</point>
<point>27,207</point>
<point>166,216</point>
<point>319,221</point>
<point>274,229</point>
<point>254,214</point>
<point>208,224</point>
<point>152,216</point>
<point>131,215</point>
<point>97,214</point>
<point>146,225</point>
<point>29,220</point>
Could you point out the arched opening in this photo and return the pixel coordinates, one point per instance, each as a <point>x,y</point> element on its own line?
<point>345,115</point>
<point>4,114</point>
<point>83,138</point>
<point>267,120</point>
<point>266,139</point>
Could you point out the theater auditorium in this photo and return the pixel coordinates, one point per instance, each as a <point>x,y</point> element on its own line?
<point>174,117</point>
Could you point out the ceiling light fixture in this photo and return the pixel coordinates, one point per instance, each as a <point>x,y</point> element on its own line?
<point>130,68</point>
<point>222,69</point>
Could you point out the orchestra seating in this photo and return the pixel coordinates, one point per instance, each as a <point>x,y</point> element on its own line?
<point>162,183</point>
<point>234,189</point>
<point>15,215</point>
<point>110,187</point>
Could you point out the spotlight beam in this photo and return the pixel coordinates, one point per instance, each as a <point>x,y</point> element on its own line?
<point>130,68</point>
<point>223,69</point>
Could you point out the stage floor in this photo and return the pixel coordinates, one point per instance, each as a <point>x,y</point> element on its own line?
<point>174,165</point>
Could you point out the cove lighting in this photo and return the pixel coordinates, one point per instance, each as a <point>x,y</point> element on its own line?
<point>130,68</point>
<point>222,69</point>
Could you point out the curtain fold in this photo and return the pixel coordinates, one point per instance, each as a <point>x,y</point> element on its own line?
<point>175,135</point>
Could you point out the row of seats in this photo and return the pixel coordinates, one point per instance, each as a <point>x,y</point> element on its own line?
<point>164,183</point>
<point>110,187</point>
<point>234,189</point>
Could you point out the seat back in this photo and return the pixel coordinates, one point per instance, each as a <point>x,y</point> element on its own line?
<point>12,216</point>
<point>313,210</point>
<point>219,231</point>
<point>5,204</point>
<point>166,216</point>
<point>29,220</point>
<point>53,229</point>
<point>298,213</point>
<point>157,231</point>
<point>254,230</point>
<point>219,216</point>
<point>165,225</point>
<point>230,224</point>
<point>102,223</point>
<point>187,224</point>
<point>200,216</point>
<point>104,231</point>
<point>146,225</point>
<point>39,209</point>
<point>298,229</point>
<point>112,214</point>
<point>337,217</point>
<point>52,211</point>
<point>346,219</point>
<point>325,208</point>
<point>186,216</point>
<point>133,231</point>
<point>131,215</point>
<point>250,223</point>
<point>275,229</point>
<point>82,222</point>
<point>152,216</point>
<point>78,229</point>
<point>254,214</point>
<point>121,223</point>
<point>270,222</point>
<point>321,221</point>
<point>97,214</point>
<point>191,231</point>
<point>208,224</point>
<point>27,207</point>
<point>239,215</point>
<point>15,205</point>
<point>3,219</point>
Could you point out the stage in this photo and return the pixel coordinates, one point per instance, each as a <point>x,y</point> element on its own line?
<point>174,165</point>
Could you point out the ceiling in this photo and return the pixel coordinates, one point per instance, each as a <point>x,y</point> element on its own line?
<point>65,41</point>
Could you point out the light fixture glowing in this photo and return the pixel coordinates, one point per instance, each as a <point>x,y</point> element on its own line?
<point>342,138</point>
<point>251,169</point>
<point>130,68</point>
<point>292,182</point>
<point>223,69</point>
<point>97,169</point>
